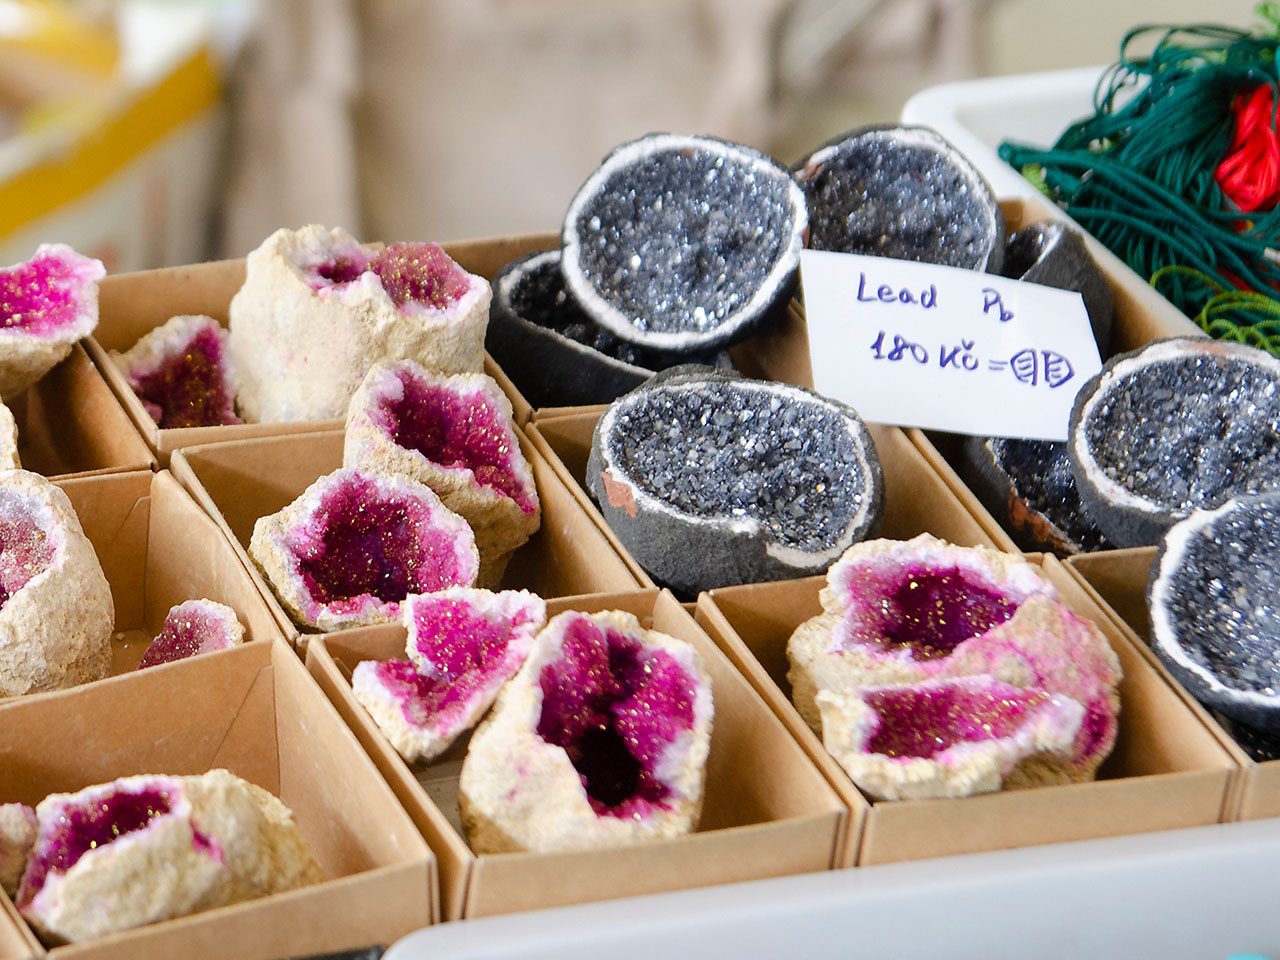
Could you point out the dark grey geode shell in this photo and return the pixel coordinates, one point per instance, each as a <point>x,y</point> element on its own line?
<point>553,352</point>
<point>684,243</point>
<point>1214,600</point>
<point>1178,425</point>
<point>710,479</point>
<point>902,192</point>
<point>1053,254</point>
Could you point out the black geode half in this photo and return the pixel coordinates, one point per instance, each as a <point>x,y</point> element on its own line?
<point>684,243</point>
<point>711,480</point>
<point>1178,425</point>
<point>1029,488</point>
<point>901,192</point>
<point>1053,254</point>
<point>556,354</point>
<point>1214,599</point>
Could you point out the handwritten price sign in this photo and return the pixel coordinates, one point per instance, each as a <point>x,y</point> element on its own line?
<point>928,346</point>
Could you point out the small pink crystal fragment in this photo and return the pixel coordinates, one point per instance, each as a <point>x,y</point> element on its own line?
<point>51,292</point>
<point>191,628</point>
<point>180,371</point>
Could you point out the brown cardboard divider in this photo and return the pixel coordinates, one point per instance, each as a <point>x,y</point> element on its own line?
<point>237,482</point>
<point>1118,578</point>
<point>767,811</point>
<point>158,548</point>
<point>17,941</point>
<point>261,716</point>
<point>916,498</point>
<point>70,424</point>
<point>1167,769</point>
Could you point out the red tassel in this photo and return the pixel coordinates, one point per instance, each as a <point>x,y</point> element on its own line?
<point>1250,175</point>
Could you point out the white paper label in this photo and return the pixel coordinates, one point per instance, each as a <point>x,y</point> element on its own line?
<point>921,345</point>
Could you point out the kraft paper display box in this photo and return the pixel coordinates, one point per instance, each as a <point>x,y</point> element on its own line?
<point>261,716</point>
<point>916,499</point>
<point>1119,578</point>
<point>239,481</point>
<point>70,424</point>
<point>1168,770</point>
<point>17,942</point>
<point>158,548</point>
<point>767,811</point>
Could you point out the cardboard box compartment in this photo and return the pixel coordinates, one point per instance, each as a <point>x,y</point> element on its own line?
<point>767,811</point>
<point>158,548</point>
<point>261,716</point>
<point>1167,770</point>
<point>70,424</point>
<point>239,481</point>
<point>1119,578</point>
<point>916,499</point>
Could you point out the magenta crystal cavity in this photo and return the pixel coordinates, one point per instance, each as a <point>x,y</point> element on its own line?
<point>411,273</point>
<point>26,548</point>
<point>188,386</point>
<point>452,635</point>
<point>614,707</point>
<point>191,628</point>
<point>421,697</point>
<point>87,825</point>
<point>47,293</point>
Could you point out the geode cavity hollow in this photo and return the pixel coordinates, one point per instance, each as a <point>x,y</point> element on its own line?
<point>601,739</point>
<point>684,243</point>
<point>901,192</point>
<point>1175,426</point>
<point>709,479</point>
<point>181,371</point>
<point>1214,600</point>
<point>354,545</point>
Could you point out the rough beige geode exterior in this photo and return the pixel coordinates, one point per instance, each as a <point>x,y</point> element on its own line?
<point>17,834</point>
<point>300,354</point>
<point>8,440</point>
<point>517,792</point>
<point>247,846</point>
<point>25,358</point>
<point>499,524</point>
<point>55,631</point>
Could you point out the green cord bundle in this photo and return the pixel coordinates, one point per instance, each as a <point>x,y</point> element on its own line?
<point>1140,173</point>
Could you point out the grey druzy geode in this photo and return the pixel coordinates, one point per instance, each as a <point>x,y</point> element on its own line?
<point>710,479</point>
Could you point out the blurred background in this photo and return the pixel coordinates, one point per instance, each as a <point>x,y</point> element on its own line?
<point>154,133</point>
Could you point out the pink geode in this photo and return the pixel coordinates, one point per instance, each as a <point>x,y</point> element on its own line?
<point>56,610</point>
<point>350,549</point>
<point>17,836</point>
<point>46,305</point>
<point>151,847</point>
<point>181,371</point>
<point>318,309</point>
<point>950,737</point>
<point>463,645</point>
<point>191,628</point>
<point>900,613</point>
<point>600,739</point>
<point>456,435</point>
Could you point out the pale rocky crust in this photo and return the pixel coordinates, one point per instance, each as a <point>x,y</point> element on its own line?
<point>8,440</point>
<point>301,353</point>
<point>1038,752</point>
<point>418,743</point>
<point>17,835</point>
<point>498,522</point>
<point>224,841</point>
<point>55,631</point>
<point>24,357</point>
<point>268,547</point>
<point>518,792</point>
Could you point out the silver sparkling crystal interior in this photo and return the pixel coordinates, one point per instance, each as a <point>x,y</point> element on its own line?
<point>1189,432</point>
<point>720,450</point>
<point>1040,472</point>
<point>683,239</point>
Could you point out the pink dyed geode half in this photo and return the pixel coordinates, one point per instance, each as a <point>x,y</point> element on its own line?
<point>318,310</point>
<point>950,737</point>
<point>17,836</point>
<point>456,435</point>
<point>463,645</point>
<point>147,848</point>
<point>182,373</point>
<point>899,614</point>
<point>350,549</point>
<point>601,739</point>
<point>46,305</point>
<point>191,628</point>
<point>56,611</point>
